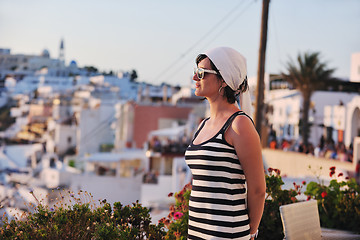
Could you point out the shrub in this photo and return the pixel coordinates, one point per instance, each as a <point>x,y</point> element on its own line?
<point>271,226</point>
<point>177,220</point>
<point>338,203</point>
<point>83,220</point>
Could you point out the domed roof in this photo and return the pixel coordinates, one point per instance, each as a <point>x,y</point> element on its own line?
<point>45,53</point>
<point>73,62</point>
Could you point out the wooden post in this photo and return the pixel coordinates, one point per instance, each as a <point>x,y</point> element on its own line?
<point>259,112</point>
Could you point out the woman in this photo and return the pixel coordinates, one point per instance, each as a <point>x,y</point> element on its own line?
<point>228,193</point>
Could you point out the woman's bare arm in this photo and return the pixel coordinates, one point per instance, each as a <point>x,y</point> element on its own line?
<point>243,136</point>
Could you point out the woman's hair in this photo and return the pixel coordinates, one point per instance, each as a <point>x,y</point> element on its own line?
<point>229,94</point>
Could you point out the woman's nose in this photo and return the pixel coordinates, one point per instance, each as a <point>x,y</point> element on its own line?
<point>195,78</point>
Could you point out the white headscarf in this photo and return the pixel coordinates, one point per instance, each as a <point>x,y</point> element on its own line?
<point>232,67</point>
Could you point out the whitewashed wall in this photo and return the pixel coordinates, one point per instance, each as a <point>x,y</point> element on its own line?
<point>95,128</point>
<point>62,134</point>
<point>113,189</point>
<point>156,193</point>
<point>287,111</point>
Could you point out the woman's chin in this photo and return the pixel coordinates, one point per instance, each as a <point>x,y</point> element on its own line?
<point>198,92</point>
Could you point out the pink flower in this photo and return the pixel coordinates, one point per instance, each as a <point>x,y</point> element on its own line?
<point>167,222</point>
<point>172,208</point>
<point>178,215</point>
<point>188,186</point>
<point>162,220</point>
<point>323,194</point>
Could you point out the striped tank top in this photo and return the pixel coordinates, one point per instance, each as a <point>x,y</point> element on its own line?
<point>217,205</point>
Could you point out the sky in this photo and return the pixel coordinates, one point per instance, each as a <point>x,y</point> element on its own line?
<point>161,38</point>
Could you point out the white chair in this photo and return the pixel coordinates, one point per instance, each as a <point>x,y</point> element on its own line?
<point>301,221</point>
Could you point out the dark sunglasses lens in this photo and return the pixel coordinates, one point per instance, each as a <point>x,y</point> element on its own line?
<point>200,73</point>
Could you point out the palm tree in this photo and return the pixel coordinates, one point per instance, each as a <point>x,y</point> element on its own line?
<point>307,75</point>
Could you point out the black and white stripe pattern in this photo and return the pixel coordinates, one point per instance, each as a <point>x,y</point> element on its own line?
<point>217,206</point>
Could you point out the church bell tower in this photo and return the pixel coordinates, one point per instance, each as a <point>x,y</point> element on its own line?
<point>62,52</point>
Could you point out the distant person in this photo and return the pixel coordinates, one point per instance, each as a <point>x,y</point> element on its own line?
<point>272,138</point>
<point>322,142</point>
<point>285,145</point>
<point>310,149</point>
<point>357,172</point>
<point>317,151</point>
<point>228,193</point>
<point>350,153</point>
<point>273,144</point>
<point>341,153</point>
<point>301,147</point>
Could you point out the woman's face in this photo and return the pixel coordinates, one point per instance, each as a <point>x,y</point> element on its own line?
<point>210,84</point>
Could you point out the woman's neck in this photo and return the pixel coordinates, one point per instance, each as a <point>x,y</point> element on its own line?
<point>221,108</point>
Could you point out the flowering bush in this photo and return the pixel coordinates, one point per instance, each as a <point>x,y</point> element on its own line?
<point>339,207</point>
<point>177,220</point>
<point>338,203</point>
<point>83,220</point>
<point>271,225</point>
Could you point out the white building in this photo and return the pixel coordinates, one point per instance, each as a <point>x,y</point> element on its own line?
<point>116,177</point>
<point>285,113</point>
<point>355,67</point>
<point>46,85</point>
<point>94,126</point>
<point>20,65</point>
<point>334,110</point>
<point>344,121</point>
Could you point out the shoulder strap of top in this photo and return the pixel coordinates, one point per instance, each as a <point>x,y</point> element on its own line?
<point>201,126</point>
<point>232,117</point>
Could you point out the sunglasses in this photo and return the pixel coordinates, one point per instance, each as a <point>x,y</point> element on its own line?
<point>200,72</point>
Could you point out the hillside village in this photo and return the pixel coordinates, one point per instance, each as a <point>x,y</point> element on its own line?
<point>70,127</point>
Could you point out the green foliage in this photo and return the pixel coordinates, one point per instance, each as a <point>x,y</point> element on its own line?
<point>307,74</point>
<point>83,221</point>
<point>133,75</point>
<point>106,147</point>
<point>338,203</point>
<point>271,225</point>
<point>91,69</point>
<point>339,207</point>
<point>135,222</point>
<point>72,163</point>
<point>177,220</point>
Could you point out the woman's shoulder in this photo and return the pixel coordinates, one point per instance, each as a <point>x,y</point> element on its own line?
<point>243,125</point>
